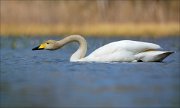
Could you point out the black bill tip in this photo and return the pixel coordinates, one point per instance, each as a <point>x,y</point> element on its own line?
<point>37,48</point>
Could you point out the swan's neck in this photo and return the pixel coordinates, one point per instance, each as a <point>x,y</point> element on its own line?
<point>81,52</point>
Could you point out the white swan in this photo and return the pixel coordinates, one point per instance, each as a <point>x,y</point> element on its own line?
<point>120,51</point>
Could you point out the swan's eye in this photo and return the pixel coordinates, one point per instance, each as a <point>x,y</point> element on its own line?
<point>47,43</point>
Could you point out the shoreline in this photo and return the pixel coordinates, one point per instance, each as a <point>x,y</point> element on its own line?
<point>98,30</point>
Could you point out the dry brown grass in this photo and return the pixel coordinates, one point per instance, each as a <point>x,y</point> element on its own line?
<point>90,17</point>
<point>155,30</point>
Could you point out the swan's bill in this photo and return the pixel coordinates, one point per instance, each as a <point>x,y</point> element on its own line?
<point>38,48</point>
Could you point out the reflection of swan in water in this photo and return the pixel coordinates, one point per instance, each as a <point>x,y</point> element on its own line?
<point>120,51</point>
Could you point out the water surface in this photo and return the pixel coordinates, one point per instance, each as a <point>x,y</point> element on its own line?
<point>48,79</point>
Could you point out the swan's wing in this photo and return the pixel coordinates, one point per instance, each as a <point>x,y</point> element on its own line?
<point>137,46</point>
<point>125,45</point>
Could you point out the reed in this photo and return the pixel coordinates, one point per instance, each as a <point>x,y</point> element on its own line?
<point>155,30</point>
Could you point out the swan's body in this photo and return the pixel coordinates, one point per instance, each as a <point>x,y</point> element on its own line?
<point>120,51</point>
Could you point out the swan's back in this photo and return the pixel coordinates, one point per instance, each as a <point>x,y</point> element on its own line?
<point>125,45</point>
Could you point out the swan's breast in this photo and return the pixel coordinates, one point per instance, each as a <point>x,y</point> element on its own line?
<point>105,50</point>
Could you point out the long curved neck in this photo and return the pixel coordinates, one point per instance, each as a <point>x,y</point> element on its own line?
<point>81,52</point>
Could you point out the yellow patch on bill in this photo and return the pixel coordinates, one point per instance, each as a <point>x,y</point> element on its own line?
<point>42,46</point>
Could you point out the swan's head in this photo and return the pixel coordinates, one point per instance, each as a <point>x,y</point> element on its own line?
<point>48,45</point>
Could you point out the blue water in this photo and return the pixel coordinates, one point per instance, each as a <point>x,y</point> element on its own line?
<point>47,78</point>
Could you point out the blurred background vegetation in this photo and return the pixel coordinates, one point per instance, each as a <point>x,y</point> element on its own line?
<point>90,17</point>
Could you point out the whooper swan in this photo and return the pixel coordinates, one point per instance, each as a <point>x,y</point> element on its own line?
<point>119,51</point>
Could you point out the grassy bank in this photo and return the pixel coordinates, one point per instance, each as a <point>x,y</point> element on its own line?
<point>155,30</point>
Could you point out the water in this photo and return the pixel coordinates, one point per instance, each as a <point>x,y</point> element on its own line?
<point>47,78</point>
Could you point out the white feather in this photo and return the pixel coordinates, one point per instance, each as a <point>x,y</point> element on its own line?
<point>125,50</point>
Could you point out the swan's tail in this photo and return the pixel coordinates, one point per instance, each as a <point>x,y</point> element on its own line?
<point>153,56</point>
<point>163,56</point>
